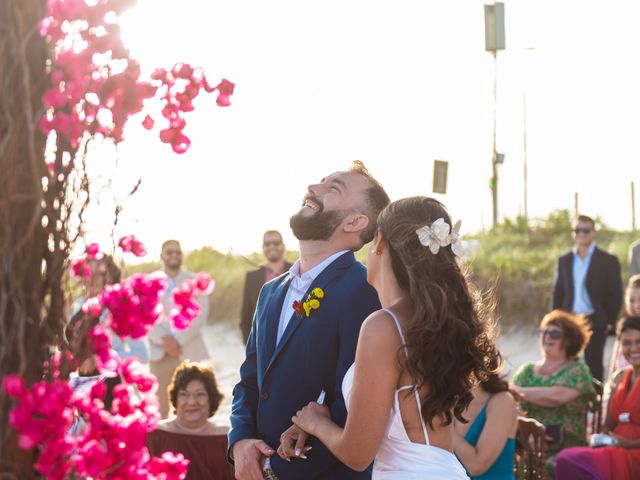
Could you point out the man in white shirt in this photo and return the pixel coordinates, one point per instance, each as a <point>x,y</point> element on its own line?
<point>588,282</point>
<point>305,329</point>
<point>167,345</point>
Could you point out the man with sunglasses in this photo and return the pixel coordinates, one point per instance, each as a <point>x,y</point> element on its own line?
<point>273,251</point>
<point>588,281</point>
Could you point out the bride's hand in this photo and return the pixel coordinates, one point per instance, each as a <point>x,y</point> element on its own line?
<point>310,417</point>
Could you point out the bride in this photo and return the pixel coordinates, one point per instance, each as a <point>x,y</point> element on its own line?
<point>417,358</point>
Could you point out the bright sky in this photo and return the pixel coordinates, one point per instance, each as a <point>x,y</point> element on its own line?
<point>395,84</point>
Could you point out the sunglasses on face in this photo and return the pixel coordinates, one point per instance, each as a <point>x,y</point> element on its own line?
<point>585,230</point>
<point>275,243</point>
<point>553,334</point>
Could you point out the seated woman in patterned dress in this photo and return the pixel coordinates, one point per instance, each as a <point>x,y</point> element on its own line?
<point>621,459</point>
<point>557,390</point>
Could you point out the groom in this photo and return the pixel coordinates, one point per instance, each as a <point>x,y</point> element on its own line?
<point>295,353</point>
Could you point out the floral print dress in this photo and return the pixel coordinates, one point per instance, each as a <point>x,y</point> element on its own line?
<point>575,374</point>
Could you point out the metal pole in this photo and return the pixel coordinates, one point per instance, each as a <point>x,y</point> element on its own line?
<point>494,160</point>
<point>633,207</point>
<point>524,138</point>
<point>575,205</point>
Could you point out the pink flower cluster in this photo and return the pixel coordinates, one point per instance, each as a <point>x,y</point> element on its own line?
<point>107,358</point>
<point>135,304</point>
<point>185,299</point>
<point>113,443</point>
<point>129,243</point>
<point>80,268</point>
<point>180,86</point>
<point>96,85</point>
<point>42,417</point>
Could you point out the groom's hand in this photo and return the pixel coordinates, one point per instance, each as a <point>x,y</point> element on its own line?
<point>292,444</point>
<point>247,456</point>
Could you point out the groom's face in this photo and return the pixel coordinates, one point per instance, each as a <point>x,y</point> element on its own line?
<point>327,204</point>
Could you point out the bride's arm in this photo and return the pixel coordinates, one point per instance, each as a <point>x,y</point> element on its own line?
<point>374,384</point>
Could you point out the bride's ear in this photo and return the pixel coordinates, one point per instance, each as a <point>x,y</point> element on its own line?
<point>378,244</point>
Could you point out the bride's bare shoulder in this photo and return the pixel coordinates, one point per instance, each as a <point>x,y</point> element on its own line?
<point>380,327</point>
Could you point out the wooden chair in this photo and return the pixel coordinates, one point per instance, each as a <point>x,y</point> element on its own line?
<point>593,418</point>
<point>531,449</point>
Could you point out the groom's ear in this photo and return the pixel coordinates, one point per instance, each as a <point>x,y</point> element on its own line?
<point>356,222</point>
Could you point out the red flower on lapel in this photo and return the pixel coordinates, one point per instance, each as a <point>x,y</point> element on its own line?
<point>298,308</point>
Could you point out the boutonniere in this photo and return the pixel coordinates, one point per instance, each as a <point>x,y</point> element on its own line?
<point>304,308</point>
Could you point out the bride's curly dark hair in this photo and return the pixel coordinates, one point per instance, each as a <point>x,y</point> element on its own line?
<point>450,337</point>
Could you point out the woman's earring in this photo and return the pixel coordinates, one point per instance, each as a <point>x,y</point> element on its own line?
<point>378,252</point>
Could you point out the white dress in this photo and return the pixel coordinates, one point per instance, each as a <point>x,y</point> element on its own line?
<point>398,457</point>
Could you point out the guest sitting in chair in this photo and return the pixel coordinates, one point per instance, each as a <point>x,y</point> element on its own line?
<point>194,396</point>
<point>486,444</point>
<point>557,390</point>
<point>618,455</point>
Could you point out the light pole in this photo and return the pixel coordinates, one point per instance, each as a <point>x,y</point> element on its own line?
<point>524,137</point>
<point>494,39</point>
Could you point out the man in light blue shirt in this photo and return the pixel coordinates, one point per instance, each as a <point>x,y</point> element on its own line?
<point>588,281</point>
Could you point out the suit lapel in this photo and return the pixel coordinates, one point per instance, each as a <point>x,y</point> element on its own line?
<point>569,267</point>
<point>273,317</point>
<point>593,268</point>
<point>323,281</point>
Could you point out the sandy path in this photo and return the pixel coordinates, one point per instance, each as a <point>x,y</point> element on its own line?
<point>227,353</point>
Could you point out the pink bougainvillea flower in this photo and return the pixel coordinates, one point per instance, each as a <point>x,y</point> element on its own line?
<point>92,307</point>
<point>148,122</point>
<point>100,340</point>
<point>80,268</point>
<point>13,385</point>
<point>182,70</point>
<point>181,144</point>
<point>129,243</point>
<point>223,100</point>
<point>135,304</point>
<point>167,135</point>
<point>133,373</point>
<point>93,252</point>
<point>226,87</point>
<point>185,299</point>
<point>205,283</point>
<point>54,98</point>
<point>169,465</point>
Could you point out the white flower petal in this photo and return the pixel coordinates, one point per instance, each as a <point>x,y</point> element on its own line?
<point>456,229</point>
<point>424,235</point>
<point>457,248</point>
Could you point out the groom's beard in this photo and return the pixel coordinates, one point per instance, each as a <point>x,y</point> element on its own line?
<point>319,226</point>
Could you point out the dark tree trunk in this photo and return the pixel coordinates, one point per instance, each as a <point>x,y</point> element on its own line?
<point>26,326</point>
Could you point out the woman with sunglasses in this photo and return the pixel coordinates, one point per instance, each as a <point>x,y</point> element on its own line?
<point>557,389</point>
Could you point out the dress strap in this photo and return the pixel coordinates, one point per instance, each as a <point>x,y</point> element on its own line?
<point>416,394</point>
<point>395,319</point>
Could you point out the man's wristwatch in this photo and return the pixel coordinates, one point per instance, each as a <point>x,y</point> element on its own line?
<point>267,471</point>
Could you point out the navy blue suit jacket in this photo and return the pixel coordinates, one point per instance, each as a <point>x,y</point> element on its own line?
<point>604,286</point>
<point>313,355</point>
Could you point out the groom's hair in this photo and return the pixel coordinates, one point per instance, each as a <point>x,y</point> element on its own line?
<point>374,202</point>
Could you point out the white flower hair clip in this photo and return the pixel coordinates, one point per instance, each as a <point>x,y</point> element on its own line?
<point>438,235</point>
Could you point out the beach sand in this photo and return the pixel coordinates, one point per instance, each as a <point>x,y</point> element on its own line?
<point>224,341</point>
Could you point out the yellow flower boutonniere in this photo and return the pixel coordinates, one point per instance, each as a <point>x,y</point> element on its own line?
<point>304,308</point>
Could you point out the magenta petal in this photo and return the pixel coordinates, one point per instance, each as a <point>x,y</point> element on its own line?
<point>148,122</point>
<point>182,144</point>
<point>223,100</point>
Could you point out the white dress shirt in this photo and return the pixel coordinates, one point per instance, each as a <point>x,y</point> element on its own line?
<point>581,301</point>
<point>298,286</point>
